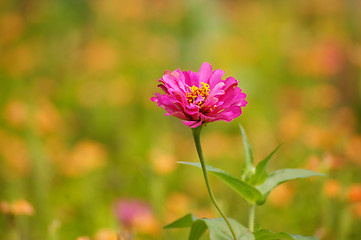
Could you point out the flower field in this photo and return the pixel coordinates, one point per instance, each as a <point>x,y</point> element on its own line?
<point>87,154</point>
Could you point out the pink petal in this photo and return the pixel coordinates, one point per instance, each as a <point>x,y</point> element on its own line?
<point>215,78</point>
<point>192,124</point>
<point>205,72</point>
<point>191,78</point>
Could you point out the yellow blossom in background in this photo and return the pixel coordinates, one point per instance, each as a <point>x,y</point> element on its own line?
<point>85,156</point>
<point>100,55</point>
<point>18,207</point>
<point>22,207</point>
<point>291,125</point>
<point>353,149</point>
<point>119,92</point>
<point>205,213</point>
<point>83,238</point>
<point>20,60</point>
<point>318,137</point>
<point>332,188</point>
<point>15,152</point>
<point>356,210</point>
<point>105,234</point>
<point>16,112</point>
<point>11,27</point>
<point>177,204</point>
<point>162,163</point>
<point>313,163</point>
<point>217,145</point>
<point>281,196</point>
<point>344,121</point>
<point>47,117</point>
<point>147,224</point>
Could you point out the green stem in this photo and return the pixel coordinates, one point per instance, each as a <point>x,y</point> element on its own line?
<point>252,209</point>
<point>196,135</point>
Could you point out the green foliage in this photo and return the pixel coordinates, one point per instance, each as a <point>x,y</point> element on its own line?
<point>248,163</point>
<point>261,170</point>
<point>265,234</point>
<point>247,191</point>
<point>218,229</point>
<point>280,176</point>
<point>254,187</point>
<point>258,194</point>
<point>185,221</point>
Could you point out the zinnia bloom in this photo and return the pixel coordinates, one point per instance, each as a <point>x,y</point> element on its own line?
<point>201,97</point>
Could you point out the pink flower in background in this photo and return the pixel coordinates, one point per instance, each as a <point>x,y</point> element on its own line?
<point>201,97</point>
<point>137,215</point>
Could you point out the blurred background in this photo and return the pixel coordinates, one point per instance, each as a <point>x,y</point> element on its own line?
<point>85,154</point>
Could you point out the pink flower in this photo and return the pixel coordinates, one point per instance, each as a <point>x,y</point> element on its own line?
<point>201,97</point>
<point>131,211</point>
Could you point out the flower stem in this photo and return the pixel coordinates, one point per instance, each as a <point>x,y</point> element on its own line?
<point>196,135</point>
<point>252,209</point>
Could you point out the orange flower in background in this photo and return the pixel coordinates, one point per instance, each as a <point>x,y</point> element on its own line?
<point>86,156</point>
<point>11,27</point>
<point>217,145</point>
<point>356,209</point>
<point>313,163</point>
<point>18,207</point>
<point>105,234</point>
<point>281,196</point>
<point>15,152</point>
<point>22,207</point>
<point>323,96</point>
<point>322,58</point>
<point>353,149</point>
<point>47,117</point>
<point>83,238</point>
<point>332,188</point>
<point>344,121</point>
<point>162,163</point>
<point>100,55</point>
<point>354,193</point>
<point>177,204</point>
<point>319,137</point>
<point>16,112</point>
<point>291,124</point>
<point>20,60</point>
<point>5,207</point>
<point>119,92</point>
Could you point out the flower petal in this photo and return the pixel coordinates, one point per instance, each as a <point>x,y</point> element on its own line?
<point>215,78</point>
<point>205,72</point>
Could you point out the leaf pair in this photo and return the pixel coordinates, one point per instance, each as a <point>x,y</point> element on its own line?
<point>264,234</point>
<point>217,227</point>
<point>259,193</point>
<point>218,230</point>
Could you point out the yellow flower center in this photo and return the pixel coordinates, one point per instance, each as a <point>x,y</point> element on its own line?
<point>195,91</point>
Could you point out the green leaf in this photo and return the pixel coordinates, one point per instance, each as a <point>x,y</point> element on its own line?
<point>280,176</point>
<point>299,237</point>
<point>265,234</point>
<point>185,221</point>
<point>248,167</point>
<point>261,170</point>
<point>218,228</point>
<point>247,191</point>
<point>197,230</point>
